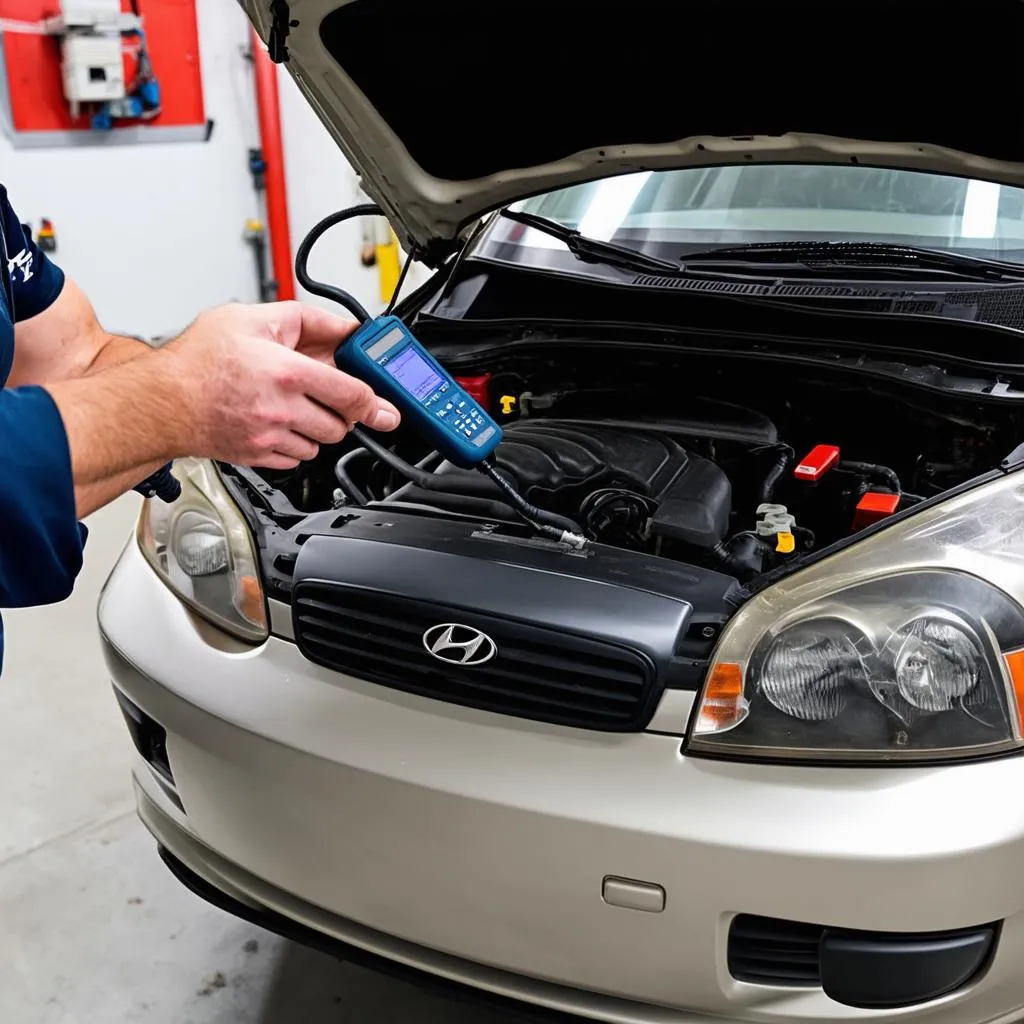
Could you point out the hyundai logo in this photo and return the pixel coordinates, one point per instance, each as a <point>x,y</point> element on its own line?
<point>458,644</point>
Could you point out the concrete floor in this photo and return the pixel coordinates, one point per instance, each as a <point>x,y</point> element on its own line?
<point>93,929</point>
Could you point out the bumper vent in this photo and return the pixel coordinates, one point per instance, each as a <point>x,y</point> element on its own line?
<point>535,673</point>
<point>764,951</point>
<point>867,970</point>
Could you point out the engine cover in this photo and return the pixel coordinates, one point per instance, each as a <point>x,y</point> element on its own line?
<point>557,465</point>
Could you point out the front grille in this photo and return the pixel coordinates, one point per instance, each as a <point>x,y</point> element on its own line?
<point>764,951</point>
<point>537,673</point>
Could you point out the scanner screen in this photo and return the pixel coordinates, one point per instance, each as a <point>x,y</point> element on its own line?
<point>414,373</point>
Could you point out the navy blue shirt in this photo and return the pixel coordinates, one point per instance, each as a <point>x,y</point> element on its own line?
<point>41,540</point>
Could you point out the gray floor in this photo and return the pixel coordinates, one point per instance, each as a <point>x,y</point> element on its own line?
<point>93,930</point>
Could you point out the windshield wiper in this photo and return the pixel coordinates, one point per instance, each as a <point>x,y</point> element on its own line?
<point>863,256</point>
<point>817,257</point>
<point>592,250</point>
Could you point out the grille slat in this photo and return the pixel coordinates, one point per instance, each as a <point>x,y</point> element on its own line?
<point>537,673</point>
<point>491,675</point>
<point>765,951</point>
<point>620,684</point>
<point>537,655</point>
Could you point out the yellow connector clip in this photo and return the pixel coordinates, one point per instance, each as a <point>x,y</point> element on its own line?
<point>785,543</point>
<point>508,403</point>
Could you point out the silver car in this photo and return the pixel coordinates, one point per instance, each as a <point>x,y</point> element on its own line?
<point>754,752</point>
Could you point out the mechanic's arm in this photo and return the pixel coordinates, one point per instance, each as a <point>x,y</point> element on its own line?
<point>232,387</point>
<point>66,341</point>
<point>243,384</point>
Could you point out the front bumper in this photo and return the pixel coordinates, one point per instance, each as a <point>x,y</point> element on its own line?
<point>476,846</point>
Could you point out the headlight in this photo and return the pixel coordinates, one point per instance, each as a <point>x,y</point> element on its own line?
<point>907,646</point>
<point>201,547</point>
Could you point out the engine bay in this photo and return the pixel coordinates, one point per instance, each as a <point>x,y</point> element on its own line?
<point>777,467</point>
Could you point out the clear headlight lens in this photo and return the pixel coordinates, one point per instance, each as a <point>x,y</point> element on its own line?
<point>201,546</point>
<point>907,646</point>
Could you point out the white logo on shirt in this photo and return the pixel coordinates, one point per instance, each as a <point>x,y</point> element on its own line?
<point>23,261</point>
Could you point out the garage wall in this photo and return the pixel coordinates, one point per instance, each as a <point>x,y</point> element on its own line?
<point>153,233</point>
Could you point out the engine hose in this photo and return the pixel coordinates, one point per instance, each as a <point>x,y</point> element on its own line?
<point>775,474</point>
<point>547,522</point>
<point>884,473</point>
<point>350,488</point>
<point>421,477</point>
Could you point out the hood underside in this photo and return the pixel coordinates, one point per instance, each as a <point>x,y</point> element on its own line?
<point>451,108</point>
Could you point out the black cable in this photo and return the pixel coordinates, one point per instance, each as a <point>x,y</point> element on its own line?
<point>398,286</point>
<point>533,515</point>
<point>328,291</point>
<point>544,522</point>
<point>547,522</point>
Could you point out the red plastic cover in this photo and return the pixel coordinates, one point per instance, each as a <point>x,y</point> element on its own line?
<point>817,462</point>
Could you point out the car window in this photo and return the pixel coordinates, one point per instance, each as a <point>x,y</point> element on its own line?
<point>668,213</point>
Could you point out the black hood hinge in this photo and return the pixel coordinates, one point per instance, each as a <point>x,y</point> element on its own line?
<point>280,28</point>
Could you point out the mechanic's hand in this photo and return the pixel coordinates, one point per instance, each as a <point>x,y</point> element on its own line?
<point>318,331</point>
<point>264,389</point>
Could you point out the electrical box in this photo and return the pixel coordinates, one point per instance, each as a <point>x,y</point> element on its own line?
<point>90,12</point>
<point>93,68</point>
<point>95,72</point>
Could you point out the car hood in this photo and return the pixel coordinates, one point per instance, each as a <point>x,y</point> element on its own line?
<point>451,108</point>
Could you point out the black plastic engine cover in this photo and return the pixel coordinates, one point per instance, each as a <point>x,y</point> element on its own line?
<point>549,459</point>
<point>586,639</point>
<point>556,465</point>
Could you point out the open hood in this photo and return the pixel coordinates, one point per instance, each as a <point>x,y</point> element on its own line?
<point>451,108</point>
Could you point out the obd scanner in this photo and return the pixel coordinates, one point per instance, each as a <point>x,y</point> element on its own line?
<point>383,353</point>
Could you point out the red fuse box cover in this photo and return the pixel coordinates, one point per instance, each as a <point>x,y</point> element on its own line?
<point>875,505</point>
<point>478,388</point>
<point>817,462</point>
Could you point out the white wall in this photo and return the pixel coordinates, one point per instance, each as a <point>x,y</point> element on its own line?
<point>154,233</point>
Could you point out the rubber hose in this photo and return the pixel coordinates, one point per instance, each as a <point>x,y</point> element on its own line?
<point>345,482</point>
<point>883,473</point>
<point>775,474</point>
<point>423,478</point>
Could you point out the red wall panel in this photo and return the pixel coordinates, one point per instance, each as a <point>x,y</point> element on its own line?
<point>34,78</point>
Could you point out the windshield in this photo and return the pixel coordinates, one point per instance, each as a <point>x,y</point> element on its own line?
<point>671,213</point>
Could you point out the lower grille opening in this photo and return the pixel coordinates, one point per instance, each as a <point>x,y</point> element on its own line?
<point>150,740</point>
<point>866,970</point>
<point>765,951</point>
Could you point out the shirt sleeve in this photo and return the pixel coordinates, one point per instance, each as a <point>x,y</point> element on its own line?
<point>41,541</point>
<point>36,280</point>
